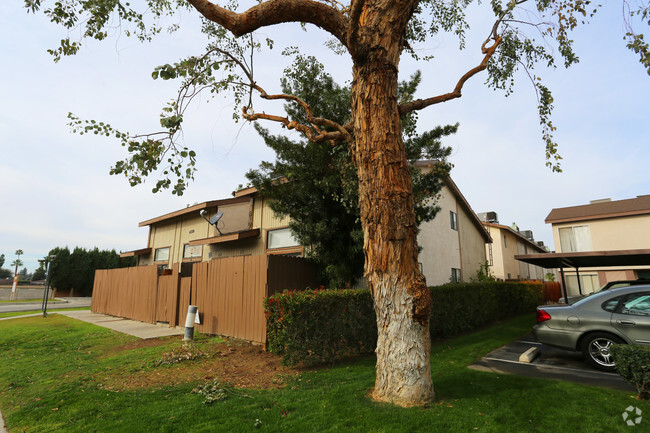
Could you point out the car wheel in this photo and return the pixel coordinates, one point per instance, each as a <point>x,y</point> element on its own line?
<point>596,349</point>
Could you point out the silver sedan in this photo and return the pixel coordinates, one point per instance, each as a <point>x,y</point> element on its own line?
<point>593,324</point>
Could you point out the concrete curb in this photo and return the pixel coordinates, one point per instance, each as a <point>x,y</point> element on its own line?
<point>529,355</point>
<point>3,425</point>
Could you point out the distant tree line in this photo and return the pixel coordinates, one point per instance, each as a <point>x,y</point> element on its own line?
<point>76,271</point>
<point>4,273</point>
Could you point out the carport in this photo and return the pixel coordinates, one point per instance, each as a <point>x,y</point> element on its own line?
<point>586,259</point>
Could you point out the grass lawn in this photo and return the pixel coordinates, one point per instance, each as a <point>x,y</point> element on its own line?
<point>51,373</point>
<point>24,313</point>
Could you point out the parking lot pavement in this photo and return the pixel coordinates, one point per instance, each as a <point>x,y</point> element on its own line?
<point>551,363</point>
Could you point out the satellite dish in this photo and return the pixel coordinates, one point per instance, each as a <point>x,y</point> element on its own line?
<point>216,218</point>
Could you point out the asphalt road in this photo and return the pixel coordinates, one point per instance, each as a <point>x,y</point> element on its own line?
<point>27,294</point>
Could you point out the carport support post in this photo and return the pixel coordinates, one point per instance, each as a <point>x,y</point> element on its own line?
<point>189,323</point>
<point>578,277</point>
<point>566,296</point>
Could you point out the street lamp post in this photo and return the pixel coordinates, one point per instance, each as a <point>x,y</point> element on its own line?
<point>48,266</point>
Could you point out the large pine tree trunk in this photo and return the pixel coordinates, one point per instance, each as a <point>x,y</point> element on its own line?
<point>401,299</point>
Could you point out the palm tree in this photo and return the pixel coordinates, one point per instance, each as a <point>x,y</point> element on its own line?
<point>17,262</point>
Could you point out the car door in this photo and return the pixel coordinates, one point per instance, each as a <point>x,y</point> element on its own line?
<point>632,317</point>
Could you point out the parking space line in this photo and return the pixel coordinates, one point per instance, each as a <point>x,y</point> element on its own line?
<point>549,366</point>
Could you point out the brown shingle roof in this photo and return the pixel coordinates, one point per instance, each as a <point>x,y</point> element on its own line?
<point>610,209</point>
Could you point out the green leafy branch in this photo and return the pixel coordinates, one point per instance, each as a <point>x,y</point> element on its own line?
<point>147,153</point>
<point>96,18</point>
<point>636,41</point>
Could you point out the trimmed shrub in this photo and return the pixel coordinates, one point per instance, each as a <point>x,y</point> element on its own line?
<point>633,365</point>
<point>462,307</point>
<point>317,326</point>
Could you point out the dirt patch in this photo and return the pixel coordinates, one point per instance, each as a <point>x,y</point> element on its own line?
<point>139,344</point>
<point>239,364</point>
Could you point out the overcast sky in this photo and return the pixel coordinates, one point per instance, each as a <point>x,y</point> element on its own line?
<point>55,189</point>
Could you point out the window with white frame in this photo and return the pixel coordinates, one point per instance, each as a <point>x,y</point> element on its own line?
<point>453,220</point>
<point>280,238</point>
<point>161,254</point>
<point>575,238</point>
<point>192,252</point>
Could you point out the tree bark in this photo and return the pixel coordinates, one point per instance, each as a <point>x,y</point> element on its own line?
<point>374,36</point>
<point>401,299</point>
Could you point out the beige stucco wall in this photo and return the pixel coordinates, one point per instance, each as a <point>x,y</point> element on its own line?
<point>503,260</point>
<point>504,248</point>
<point>611,234</point>
<point>510,249</point>
<point>497,267</point>
<point>624,233</point>
<point>472,246</point>
<point>262,218</point>
<point>440,245</point>
<point>177,232</point>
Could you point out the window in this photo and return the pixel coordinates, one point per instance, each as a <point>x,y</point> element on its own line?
<point>574,239</point>
<point>611,304</point>
<point>455,275</point>
<point>637,304</point>
<point>193,252</point>
<point>453,219</point>
<point>588,283</point>
<point>161,255</point>
<point>280,238</point>
<point>505,241</point>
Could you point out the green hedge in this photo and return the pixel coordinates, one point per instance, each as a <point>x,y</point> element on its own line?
<point>633,364</point>
<point>316,326</point>
<point>462,307</point>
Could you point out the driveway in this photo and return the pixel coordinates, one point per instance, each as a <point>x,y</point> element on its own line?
<point>551,363</point>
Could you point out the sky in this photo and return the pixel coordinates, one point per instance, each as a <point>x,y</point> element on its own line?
<point>55,187</point>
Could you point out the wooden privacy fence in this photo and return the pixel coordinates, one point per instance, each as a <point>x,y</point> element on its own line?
<point>229,293</point>
<point>552,291</point>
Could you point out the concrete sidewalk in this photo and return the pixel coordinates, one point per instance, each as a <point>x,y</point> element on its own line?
<point>125,326</point>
